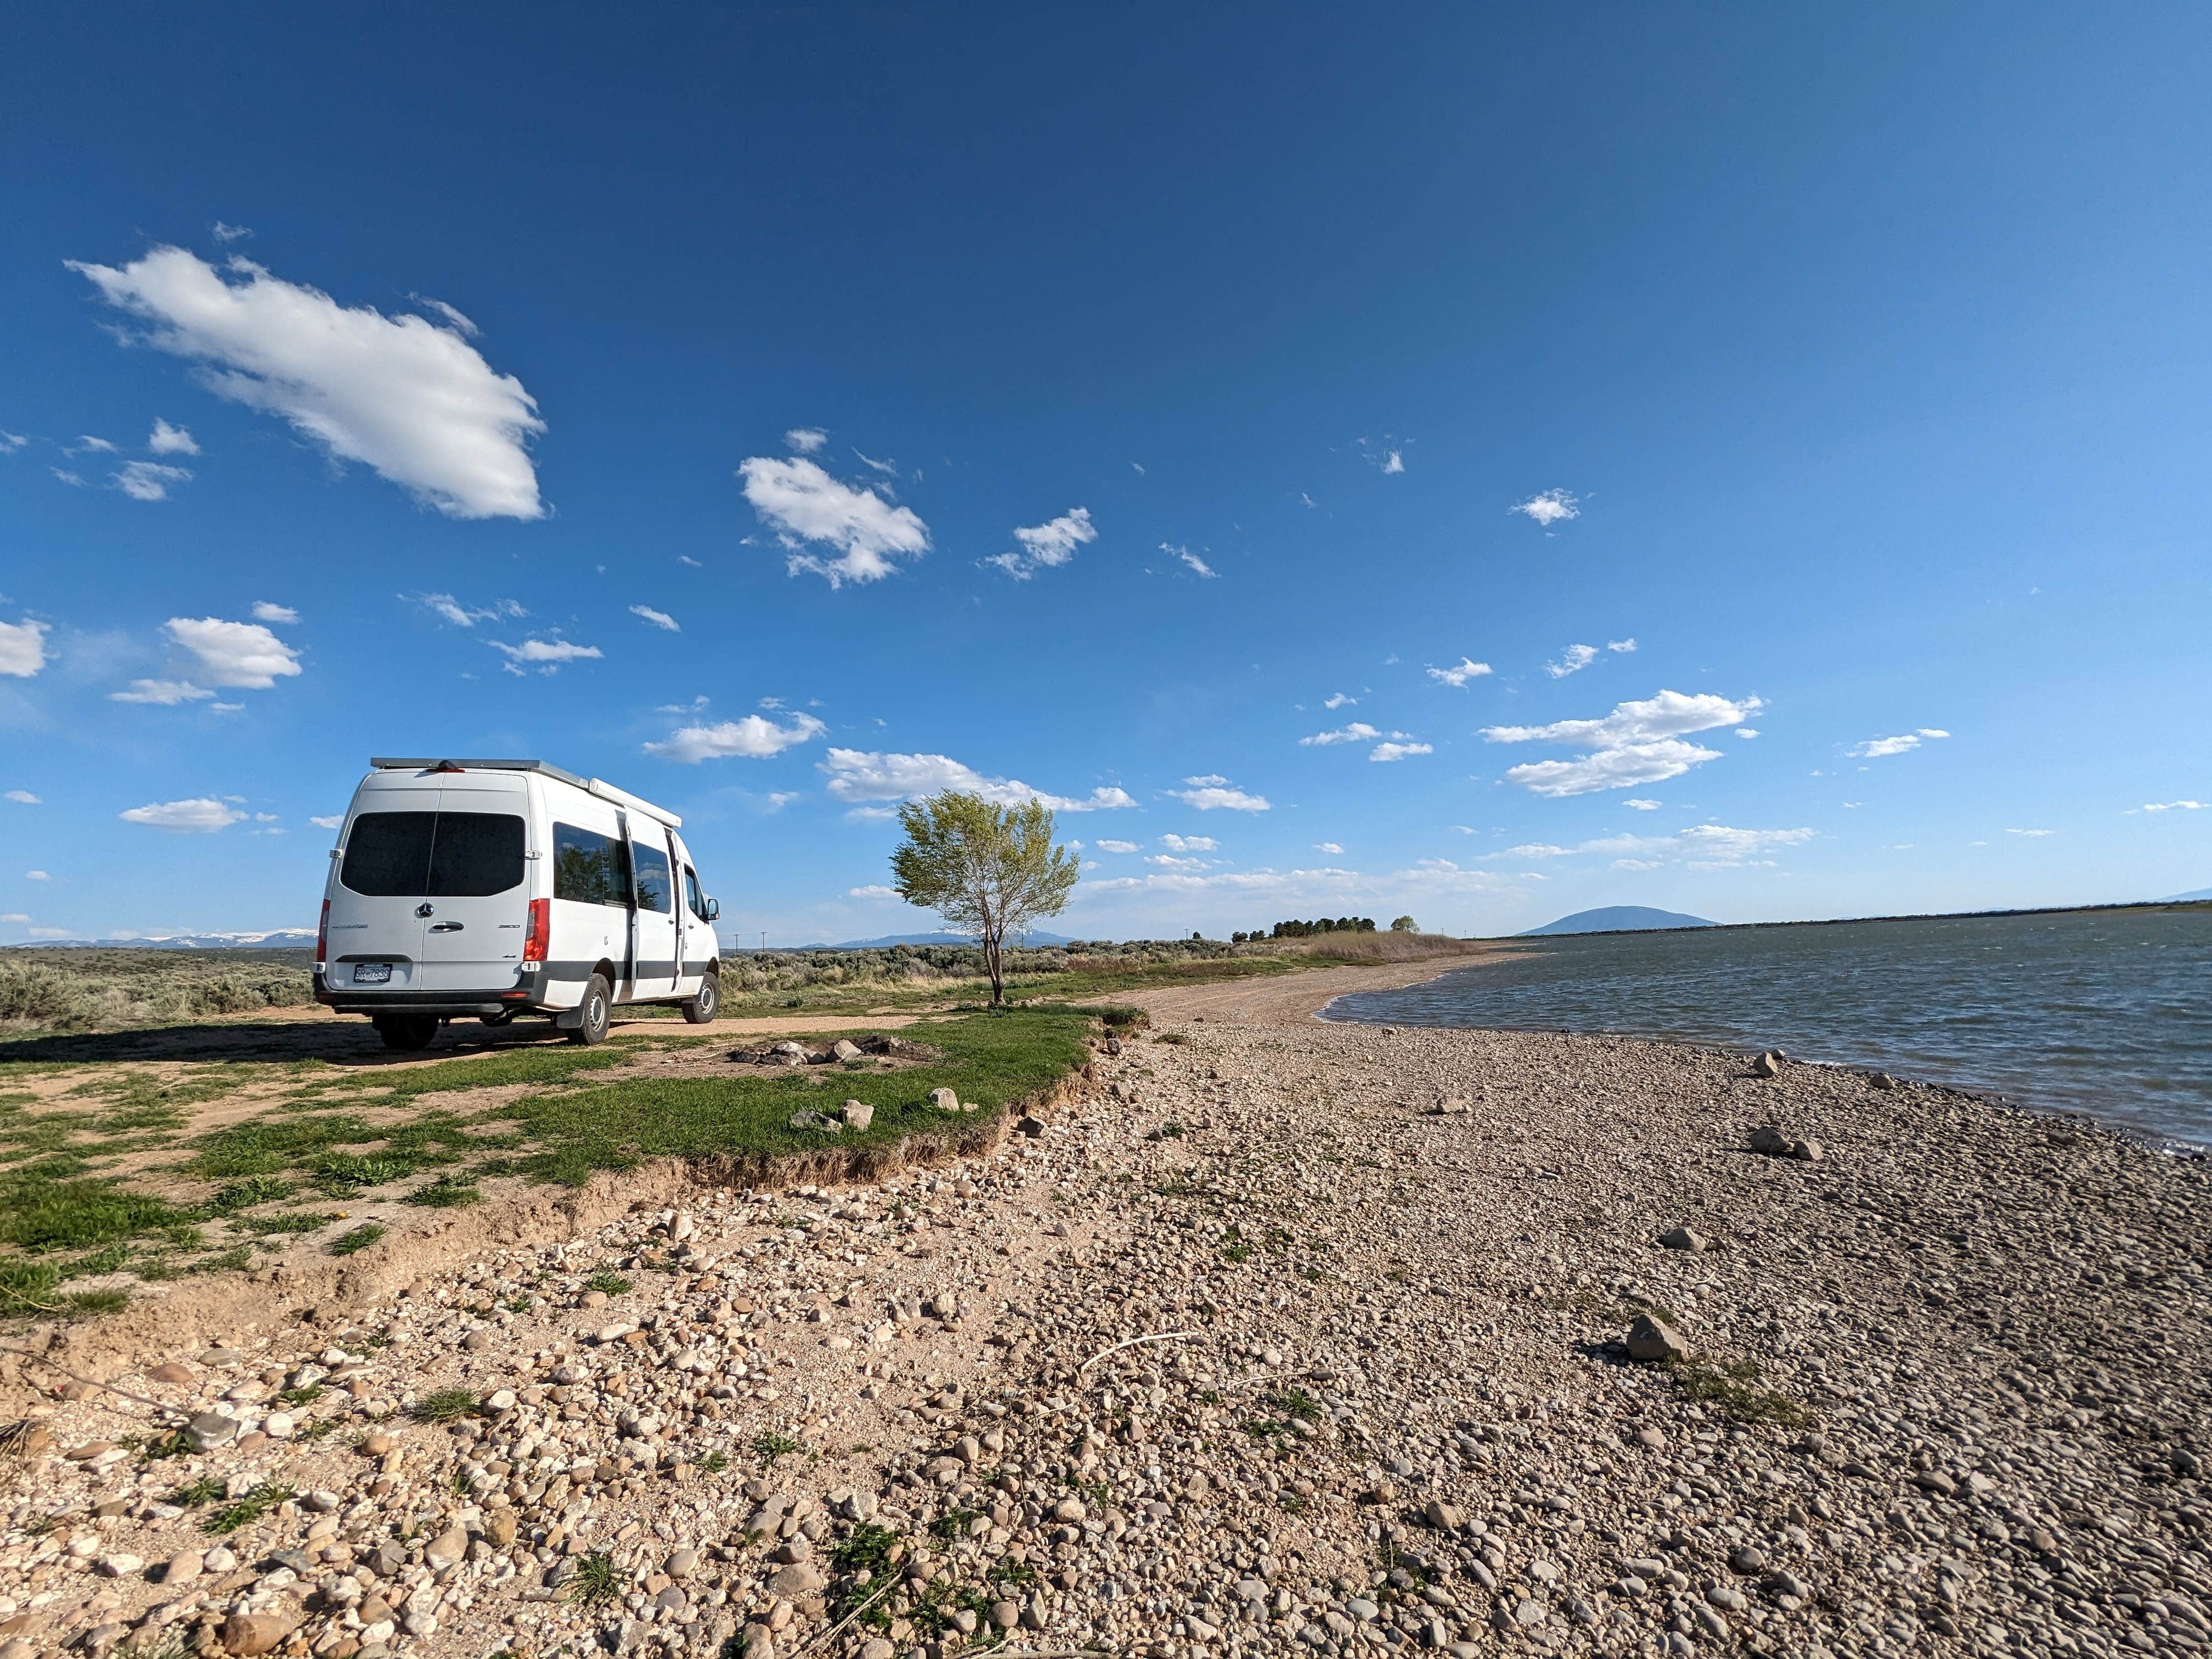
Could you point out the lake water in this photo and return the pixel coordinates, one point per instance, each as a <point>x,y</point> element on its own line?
<point>2103,1011</point>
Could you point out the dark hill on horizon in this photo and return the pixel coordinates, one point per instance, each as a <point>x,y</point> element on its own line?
<point>1617,919</point>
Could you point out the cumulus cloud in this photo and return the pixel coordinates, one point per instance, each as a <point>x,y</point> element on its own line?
<point>1115,845</point>
<point>1211,793</point>
<point>2032,833</point>
<point>24,798</point>
<point>1394,462</point>
<point>1466,668</point>
<point>234,654</point>
<point>751,737</point>
<point>1189,843</point>
<point>1048,546</point>
<point>1338,700</point>
<point>803,504</point>
<point>224,232</point>
<point>266,612</point>
<point>75,481</point>
<point>657,618</point>
<point>330,823</point>
<point>1623,645</point>
<point>806,439</point>
<point>1196,565</point>
<point>1395,750</point>
<point>1330,848</point>
<point>411,399</point>
<point>1574,658</point>
<point>202,815</point>
<point>36,875</point>
<point>1358,731</point>
<point>2173,807</point>
<point>1642,806</point>
<point>1701,847</point>
<point>859,776</point>
<point>453,611</point>
<point>1550,508</point>
<point>167,693</point>
<point>1170,862</point>
<point>149,480</point>
<point>1903,743</point>
<point>22,649</point>
<point>89,445</point>
<point>546,655</point>
<point>166,440</point>
<point>1639,742</point>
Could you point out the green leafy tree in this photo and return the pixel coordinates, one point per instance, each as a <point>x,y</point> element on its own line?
<point>1404,925</point>
<point>987,870</point>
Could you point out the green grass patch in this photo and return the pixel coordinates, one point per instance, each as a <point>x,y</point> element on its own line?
<point>446,1192</point>
<point>356,1239</point>
<point>444,1406</point>
<point>607,1283</point>
<point>768,1445</point>
<point>246,1510</point>
<point>1735,1386</point>
<point>598,1582</point>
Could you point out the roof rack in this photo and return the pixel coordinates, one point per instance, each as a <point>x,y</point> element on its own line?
<point>594,786</point>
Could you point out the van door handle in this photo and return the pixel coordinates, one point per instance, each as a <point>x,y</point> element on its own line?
<point>446,926</point>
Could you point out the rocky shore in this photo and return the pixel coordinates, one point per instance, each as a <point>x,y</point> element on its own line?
<point>1282,1339</point>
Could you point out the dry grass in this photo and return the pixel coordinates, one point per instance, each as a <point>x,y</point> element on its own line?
<point>1375,947</point>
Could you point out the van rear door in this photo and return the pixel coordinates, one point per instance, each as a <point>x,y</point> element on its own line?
<point>375,935</point>
<point>477,890</point>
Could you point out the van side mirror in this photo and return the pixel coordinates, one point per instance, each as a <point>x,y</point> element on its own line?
<point>714,910</point>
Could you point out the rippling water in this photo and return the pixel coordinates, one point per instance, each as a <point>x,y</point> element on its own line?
<point>2105,1012</point>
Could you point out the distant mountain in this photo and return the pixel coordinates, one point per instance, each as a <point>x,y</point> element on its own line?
<point>1617,919</point>
<point>2196,897</point>
<point>277,938</point>
<point>890,940</point>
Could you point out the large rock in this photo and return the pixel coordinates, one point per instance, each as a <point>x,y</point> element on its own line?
<point>1682,1238</point>
<point>806,1118</point>
<point>257,1633</point>
<point>859,1115</point>
<point>843,1049</point>
<point>210,1429</point>
<point>1768,1064</point>
<point>1770,1140</point>
<point>944,1100</point>
<point>447,1547</point>
<point>1652,1339</point>
<point>798,1581</point>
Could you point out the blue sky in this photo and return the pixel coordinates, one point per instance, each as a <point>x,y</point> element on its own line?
<point>1265,431</point>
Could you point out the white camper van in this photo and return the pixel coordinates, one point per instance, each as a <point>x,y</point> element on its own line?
<point>486,889</point>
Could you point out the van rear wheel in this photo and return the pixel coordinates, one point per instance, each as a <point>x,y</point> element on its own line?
<point>597,1010</point>
<point>703,1007</point>
<point>408,1032</point>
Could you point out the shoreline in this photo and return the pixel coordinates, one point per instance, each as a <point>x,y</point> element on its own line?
<point>1950,1378</point>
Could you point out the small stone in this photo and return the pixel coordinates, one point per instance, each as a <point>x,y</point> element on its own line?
<point>1068,1510</point>
<point>375,1444</point>
<point>858,1116</point>
<point>447,1547</point>
<point>1770,1140</point>
<point>875,1647</point>
<point>181,1569</point>
<point>210,1429</point>
<point>476,1341</point>
<point>1682,1238</point>
<point>1726,1596</point>
<point>171,1372</point>
<point>806,1118</point>
<point>500,1526</point>
<point>219,1560</point>
<point>256,1633</point>
<point>1031,1126</point>
<point>1005,1614</point>
<point>1882,1080</point>
<point>1936,1481</point>
<point>1652,1339</point>
<point>1745,1559</point>
<point>120,1565</point>
<point>1807,1151</point>
<point>844,1050</point>
<point>798,1581</point>
<point>1655,1438</point>
<point>1363,1609</point>
<point>1442,1516</point>
<point>944,1100</point>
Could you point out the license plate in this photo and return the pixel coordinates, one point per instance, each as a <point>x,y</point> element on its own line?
<point>372,973</point>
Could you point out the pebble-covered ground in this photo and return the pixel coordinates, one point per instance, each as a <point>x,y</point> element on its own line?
<point>1282,1339</point>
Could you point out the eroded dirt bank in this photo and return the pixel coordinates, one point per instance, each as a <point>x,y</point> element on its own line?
<point>1946,1387</point>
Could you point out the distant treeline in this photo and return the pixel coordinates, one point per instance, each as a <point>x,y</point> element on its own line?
<point>1308,929</point>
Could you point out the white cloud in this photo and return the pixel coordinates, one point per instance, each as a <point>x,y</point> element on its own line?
<point>1642,806</point>
<point>1746,733</point>
<point>245,654</point>
<point>453,611</point>
<point>1904,744</point>
<point>11,442</point>
<point>1571,660</point>
<point>1701,847</point>
<point>1115,845</point>
<point>806,439</point>
<point>549,654</point>
<point>751,737</point>
<point>1639,742</point>
<point>224,232</point>
<point>885,469</point>
<point>861,775</point>
<point>200,815</point>
<point>265,611</point>
<point>1394,462</point>
<point>1338,700</point>
<point>875,890</point>
<point>1196,565</point>
<point>1461,672</point>
<point>1189,843</point>
<point>22,649</point>
<point>166,440</point>
<point>1358,731</point>
<point>1549,507</point>
<point>1170,862</point>
<point>453,314</point>
<point>1395,751</point>
<point>411,399</point>
<point>16,916</point>
<point>657,618</point>
<point>36,875</point>
<point>166,693</point>
<point>24,798</point>
<point>802,503</point>
<point>1541,849</point>
<point>1048,546</point>
<point>2030,832</point>
<point>330,823</point>
<point>1330,848</point>
<point>1213,792</point>
<point>75,481</point>
<point>2173,806</point>
<point>86,444</point>
<point>1623,645</point>
<point>149,481</point>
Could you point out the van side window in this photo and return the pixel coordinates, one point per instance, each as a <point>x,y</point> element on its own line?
<point>654,889</point>
<point>692,897</point>
<point>589,868</point>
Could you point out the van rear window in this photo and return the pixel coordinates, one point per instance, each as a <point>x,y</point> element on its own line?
<point>588,867</point>
<point>433,855</point>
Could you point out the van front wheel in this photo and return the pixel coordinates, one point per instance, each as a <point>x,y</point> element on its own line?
<point>707,1003</point>
<point>407,1031</point>
<point>597,1010</point>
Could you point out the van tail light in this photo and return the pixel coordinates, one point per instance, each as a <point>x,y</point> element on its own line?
<point>541,930</point>
<point>323,936</point>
